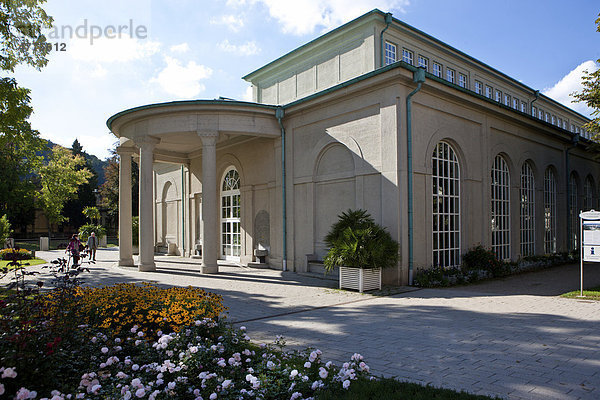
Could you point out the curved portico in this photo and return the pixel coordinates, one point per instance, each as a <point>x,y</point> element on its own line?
<point>182,133</point>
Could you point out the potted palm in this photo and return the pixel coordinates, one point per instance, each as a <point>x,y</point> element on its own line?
<point>360,249</point>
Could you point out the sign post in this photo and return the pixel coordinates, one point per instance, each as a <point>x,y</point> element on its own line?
<point>589,242</point>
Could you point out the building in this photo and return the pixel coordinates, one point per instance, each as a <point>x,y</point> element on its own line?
<point>442,149</point>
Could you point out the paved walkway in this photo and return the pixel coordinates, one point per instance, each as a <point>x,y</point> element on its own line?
<point>513,337</point>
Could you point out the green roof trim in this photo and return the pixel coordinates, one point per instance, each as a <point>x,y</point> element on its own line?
<point>186,103</point>
<point>431,38</point>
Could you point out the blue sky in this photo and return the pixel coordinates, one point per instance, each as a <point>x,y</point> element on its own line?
<point>200,50</point>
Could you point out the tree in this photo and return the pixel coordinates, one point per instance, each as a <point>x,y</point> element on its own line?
<point>92,214</point>
<point>21,24</point>
<point>86,193</point>
<point>20,153</point>
<point>109,191</point>
<point>591,95</point>
<point>60,179</point>
<point>21,42</point>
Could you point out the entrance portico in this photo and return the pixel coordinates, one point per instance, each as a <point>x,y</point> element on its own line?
<point>186,133</point>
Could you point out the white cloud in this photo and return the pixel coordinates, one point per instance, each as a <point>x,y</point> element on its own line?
<point>303,17</point>
<point>106,50</point>
<point>247,96</point>
<point>571,83</point>
<point>232,22</point>
<point>98,72</point>
<point>246,49</point>
<point>180,48</point>
<point>182,81</point>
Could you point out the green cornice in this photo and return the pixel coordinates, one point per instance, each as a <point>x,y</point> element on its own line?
<point>187,103</point>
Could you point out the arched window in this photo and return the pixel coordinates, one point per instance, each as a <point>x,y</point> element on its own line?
<point>500,205</point>
<point>550,193</point>
<point>446,206</point>
<point>231,243</point>
<point>527,203</point>
<point>573,211</point>
<point>588,194</point>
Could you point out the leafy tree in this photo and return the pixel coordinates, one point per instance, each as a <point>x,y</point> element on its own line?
<point>21,42</point>
<point>20,153</point>
<point>86,193</point>
<point>60,179</point>
<point>92,214</point>
<point>591,95</point>
<point>109,191</point>
<point>21,24</point>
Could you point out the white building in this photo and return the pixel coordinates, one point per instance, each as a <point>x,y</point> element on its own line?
<point>443,150</point>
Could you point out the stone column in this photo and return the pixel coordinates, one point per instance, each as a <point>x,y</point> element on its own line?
<point>125,215</point>
<point>210,239</point>
<point>146,258</point>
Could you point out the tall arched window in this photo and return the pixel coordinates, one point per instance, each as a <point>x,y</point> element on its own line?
<point>550,193</point>
<point>446,206</point>
<point>527,203</point>
<point>588,193</point>
<point>573,211</point>
<point>231,243</point>
<point>500,207</point>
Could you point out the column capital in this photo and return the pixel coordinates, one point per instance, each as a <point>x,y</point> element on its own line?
<point>209,138</point>
<point>147,142</point>
<point>125,151</point>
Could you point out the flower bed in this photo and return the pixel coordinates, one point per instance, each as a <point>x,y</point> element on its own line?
<point>12,254</point>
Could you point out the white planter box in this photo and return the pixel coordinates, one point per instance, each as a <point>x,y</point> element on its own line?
<point>360,279</point>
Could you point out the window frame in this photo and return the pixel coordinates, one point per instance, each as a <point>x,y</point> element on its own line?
<point>390,49</point>
<point>527,210</point>
<point>500,208</point>
<point>408,56</point>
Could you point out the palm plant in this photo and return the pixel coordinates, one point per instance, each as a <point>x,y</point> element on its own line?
<point>357,241</point>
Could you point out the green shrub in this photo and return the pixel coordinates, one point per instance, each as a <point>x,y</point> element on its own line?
<point>86,230</point>
<point>481,259</point>
<point>357,241</point>
<point>5,230</point>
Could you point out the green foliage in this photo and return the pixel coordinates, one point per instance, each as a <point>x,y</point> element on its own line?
<point>21,27</point>
<point>86,230</point>
<point>355,219</point>
<point>481,259</point>
<point>391,389</point>
<point>591,95</point>
<point>60,179</point>
<point>92,214</point>
<point>135,229</point>
<point>20,149</point>
<point>5,230</point>
<point>357,241</point>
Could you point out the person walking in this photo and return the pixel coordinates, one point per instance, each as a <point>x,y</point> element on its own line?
<point>73,249</point>
<point>92,245</point>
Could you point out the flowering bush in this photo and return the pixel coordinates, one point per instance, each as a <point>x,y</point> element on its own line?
<point>120,307</point>
<point>207,360</point>
<point>20,254</point>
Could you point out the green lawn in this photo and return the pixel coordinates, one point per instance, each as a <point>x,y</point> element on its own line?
<point>36,261</point>
<point>590,294</point>
<point>391,389</point>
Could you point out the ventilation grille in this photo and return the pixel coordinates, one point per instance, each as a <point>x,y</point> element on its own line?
<point>360,279</point>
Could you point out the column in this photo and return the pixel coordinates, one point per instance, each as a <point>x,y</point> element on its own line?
<point>125,242</point>
<point>146,259</point>
<point>210,239</point>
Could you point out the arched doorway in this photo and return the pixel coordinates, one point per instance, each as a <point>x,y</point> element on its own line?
<point>231,243</point>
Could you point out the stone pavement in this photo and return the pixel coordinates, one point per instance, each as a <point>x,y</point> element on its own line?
<point>512,337</point>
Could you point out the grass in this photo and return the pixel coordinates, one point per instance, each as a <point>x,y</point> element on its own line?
<point>35,261</point>
<point>391,389</point>
<point>590,294</point>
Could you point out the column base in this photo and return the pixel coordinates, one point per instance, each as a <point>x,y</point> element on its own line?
<point>149,267</point>
<point>126,262</point>
<point>205,269</point>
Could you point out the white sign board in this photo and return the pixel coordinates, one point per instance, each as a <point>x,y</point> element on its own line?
<point>591,241</point>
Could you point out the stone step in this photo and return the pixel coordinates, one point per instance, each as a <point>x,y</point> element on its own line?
<point>317,269</point>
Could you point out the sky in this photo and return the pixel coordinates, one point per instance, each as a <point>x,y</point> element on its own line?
<point>200,49</point>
